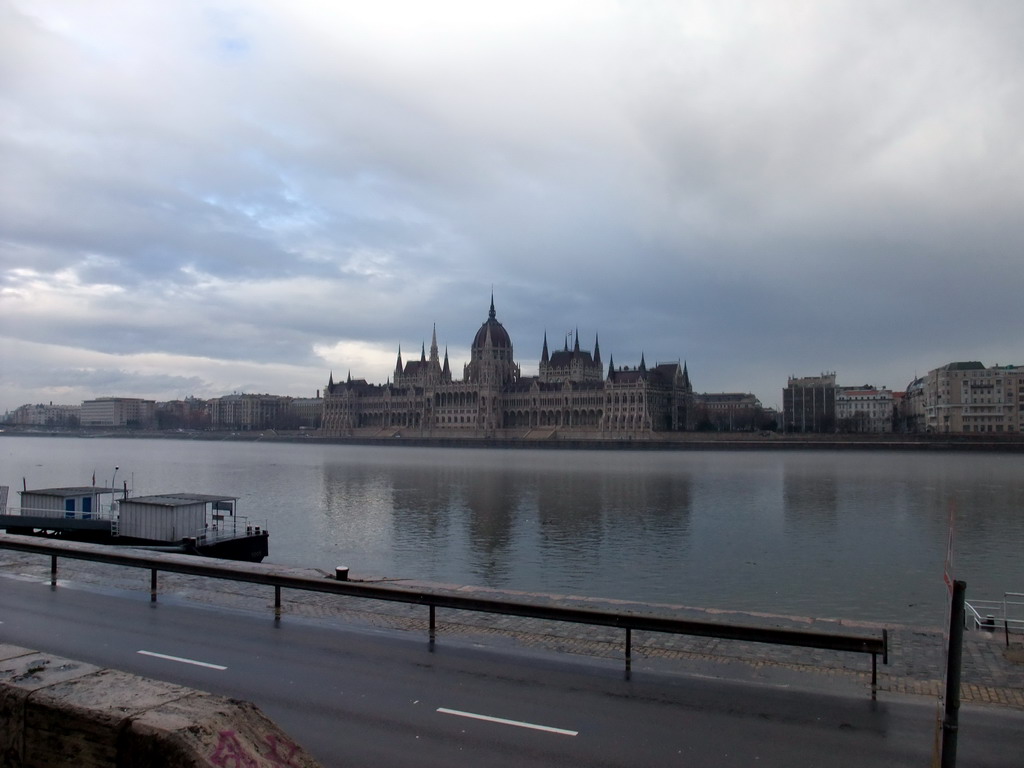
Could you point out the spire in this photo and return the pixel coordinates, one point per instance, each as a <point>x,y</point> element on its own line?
<point>491,314</point>
<point>433,345</point>
<point>643,365</point>
<point>446,371</point>
<point>611,368</point>
<point>349,379</point>
<point>686,376</point>
<point>576,345</point>
<point>330,381</point>
<point>597,351</point>
<point>544,355</point>
<point>423,352</point>
<point>398,365</point>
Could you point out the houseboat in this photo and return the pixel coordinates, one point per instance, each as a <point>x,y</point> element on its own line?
<point>193,523</point>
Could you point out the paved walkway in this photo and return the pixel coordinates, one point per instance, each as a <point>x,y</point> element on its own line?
<point>991,673</point>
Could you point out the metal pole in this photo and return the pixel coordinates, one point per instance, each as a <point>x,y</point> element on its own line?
<point>277,603</point>
<point>431,623</point>
<point>951,719</point>
<point>152,585</point>
<point>1006,623</point>
<point>53,570</point>
<point>629,649</point>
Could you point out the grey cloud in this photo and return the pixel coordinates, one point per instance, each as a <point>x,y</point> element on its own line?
<point>101,381</point>
<point>754,191</point>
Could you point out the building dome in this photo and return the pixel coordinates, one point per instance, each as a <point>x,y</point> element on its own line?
<point>499,336</point>
<point>491,362</point>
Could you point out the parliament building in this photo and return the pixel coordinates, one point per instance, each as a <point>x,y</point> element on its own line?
<point>572,395</point>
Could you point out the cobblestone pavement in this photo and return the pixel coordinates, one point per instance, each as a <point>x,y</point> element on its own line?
<point>991,672</point>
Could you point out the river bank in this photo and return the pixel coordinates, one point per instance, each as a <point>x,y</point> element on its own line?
<point>548,439</point>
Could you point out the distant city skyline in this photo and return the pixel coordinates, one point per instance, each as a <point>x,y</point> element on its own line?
<point>210,198</point>
<point>528,365</point>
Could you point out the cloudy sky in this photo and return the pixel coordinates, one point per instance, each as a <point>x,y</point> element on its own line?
<point>199,198</point>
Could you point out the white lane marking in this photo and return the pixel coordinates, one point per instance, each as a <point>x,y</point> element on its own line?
<point>503,721</point>
<point>183,661</point>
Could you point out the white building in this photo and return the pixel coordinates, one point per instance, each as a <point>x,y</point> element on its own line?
<point>248,412</point>
<point>50,415</point>
<point>119,412</point>
<point>864,409</point>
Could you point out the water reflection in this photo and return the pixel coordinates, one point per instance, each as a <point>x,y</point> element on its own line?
<point>810,497</point>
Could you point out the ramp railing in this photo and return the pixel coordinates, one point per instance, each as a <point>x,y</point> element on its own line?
<point>990,615</point>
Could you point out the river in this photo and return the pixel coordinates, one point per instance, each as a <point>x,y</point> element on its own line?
<point>845,534</point>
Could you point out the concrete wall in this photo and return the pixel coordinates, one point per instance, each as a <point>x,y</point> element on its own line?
<point>55,712</point>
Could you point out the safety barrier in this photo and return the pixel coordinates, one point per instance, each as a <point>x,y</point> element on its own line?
<point>989,614</point>
<point>265,574</point>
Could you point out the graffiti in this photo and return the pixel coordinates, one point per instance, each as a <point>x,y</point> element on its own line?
<point>277,743</point>
<point>231,754</point>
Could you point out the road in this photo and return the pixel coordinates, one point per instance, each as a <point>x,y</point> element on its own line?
<point>360,697</point>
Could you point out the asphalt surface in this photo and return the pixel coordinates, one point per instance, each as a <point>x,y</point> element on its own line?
<point>337,675</point>
<point>383,698</point>
<point>992,673</point>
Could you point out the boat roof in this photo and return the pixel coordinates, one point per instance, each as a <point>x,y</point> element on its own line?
<point>177,499</point>
<point>75,490</point>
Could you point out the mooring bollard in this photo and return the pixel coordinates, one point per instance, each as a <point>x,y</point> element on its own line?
<point>341,573</point>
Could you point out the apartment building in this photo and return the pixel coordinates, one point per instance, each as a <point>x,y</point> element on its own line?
<point>249,412</point>
<point>46,415</point>
<point>864,409</point>
<point>728,411</point>
<point>119,412</point>
<point>967,397</point>
<point>809,403</point>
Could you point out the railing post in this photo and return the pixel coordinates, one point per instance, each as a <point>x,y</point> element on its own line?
<point>277,603</point>
<point>432,624</point>
<point>152,585</point>
<point>53,570</point>
<point>1006,621</point>
<point>629,649</point>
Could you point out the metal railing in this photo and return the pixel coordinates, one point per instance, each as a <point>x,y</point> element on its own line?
<point>266,574</point>
<point>100,513</point>
<point>230,529</point>
<point>990,615</point>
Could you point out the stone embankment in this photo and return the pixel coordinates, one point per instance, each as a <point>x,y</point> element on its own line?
<point>57,713</point>
<point>568,439</point>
